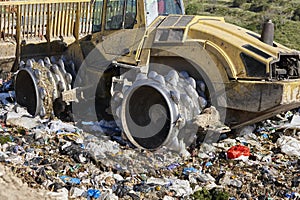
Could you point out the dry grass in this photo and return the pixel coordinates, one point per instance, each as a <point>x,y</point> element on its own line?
<point>280,11</point>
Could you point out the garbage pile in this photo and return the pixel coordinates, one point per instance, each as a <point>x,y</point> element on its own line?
<point>95,162</point>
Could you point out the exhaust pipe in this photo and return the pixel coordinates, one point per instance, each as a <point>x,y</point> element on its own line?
<point>267,35</point>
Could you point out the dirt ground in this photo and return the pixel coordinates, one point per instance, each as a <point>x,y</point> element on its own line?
<point>12,187</point>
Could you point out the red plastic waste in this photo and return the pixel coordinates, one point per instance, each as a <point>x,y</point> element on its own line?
<point>238,151</point>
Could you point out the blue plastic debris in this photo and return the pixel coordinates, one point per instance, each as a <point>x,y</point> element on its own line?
<point>110,130</point>
<point>87,123</point>
<point>290,196</point>
<point>109,127</point>
<point>265,136</point>
<point>223,137</point>
<point>208,164</point>
<point>172,166</point>
<point>188,170</point>
<point>261,129</point>
<point>67,179</point>
<point>94,193</point>
<point>7,86</point>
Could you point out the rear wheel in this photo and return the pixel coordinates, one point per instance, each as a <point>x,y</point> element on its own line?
<point>39,86</point>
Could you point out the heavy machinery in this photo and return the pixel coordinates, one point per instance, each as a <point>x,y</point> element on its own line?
<point>146,65</point>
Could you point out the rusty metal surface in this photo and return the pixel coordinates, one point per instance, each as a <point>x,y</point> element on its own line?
<point>38,22</point>
<point>36,16</point>
<point>249,102</point>
<point>291,92</point>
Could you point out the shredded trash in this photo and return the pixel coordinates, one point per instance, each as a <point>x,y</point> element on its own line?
<point>94,161</point>
<point>289,145</point>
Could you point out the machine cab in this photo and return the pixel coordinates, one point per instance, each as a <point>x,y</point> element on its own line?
<point>155,8</point>
<point>123,14</point>
<point>114,14</point>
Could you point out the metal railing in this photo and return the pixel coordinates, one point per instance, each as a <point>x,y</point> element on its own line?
<point>45,20</point>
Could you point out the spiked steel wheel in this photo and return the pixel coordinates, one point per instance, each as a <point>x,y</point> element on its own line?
<point>39,84</point>
<point>153,109</point>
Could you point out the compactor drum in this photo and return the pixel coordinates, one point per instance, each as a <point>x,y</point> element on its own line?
<point>155,109</point>
<point>39,85</point>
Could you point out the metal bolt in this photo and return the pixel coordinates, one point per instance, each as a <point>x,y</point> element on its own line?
<point>49,75</point>
<point>159,78</point>
<point>68,78</point>
<point>60,86</point>
<point>43,93</point>
<point>41,62</point>
<point>53,60</point>
<point>47,61</point>
<point>141,76</point>
<point>43,111</point>
<point>22,64</point>
<point>29,63</point>
<point>61,64</point>
<point>55,69</point>
<point>192,82</point>
<point>152,74</point>
<point>37,73</point>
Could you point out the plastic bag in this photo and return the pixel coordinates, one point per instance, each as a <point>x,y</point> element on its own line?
<point>238,152</point>
<point>289,145</point>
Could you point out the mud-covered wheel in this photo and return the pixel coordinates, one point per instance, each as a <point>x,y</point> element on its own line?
<point>155,109</point>
<point>103,96</point>
<point>39,86</point>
